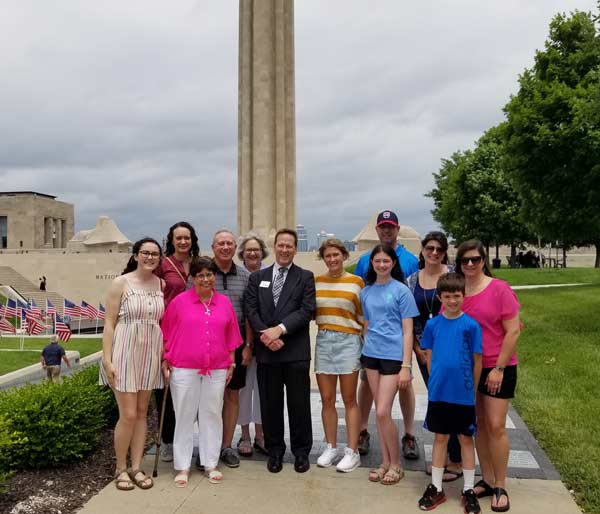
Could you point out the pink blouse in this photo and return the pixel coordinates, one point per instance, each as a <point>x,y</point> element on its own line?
<point>490,307</point>
<point>197,339</point>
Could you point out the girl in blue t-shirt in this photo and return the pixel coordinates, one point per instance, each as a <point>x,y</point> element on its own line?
<point>388,308</point>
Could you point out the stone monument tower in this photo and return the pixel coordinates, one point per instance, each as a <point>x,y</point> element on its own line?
<point>266,117</point>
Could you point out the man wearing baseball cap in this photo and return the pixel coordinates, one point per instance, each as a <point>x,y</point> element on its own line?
<point>388,228</point>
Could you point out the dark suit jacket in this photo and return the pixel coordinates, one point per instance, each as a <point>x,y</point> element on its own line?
<point>295,308</point>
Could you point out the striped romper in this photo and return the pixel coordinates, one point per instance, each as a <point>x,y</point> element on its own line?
<point>137,341</point>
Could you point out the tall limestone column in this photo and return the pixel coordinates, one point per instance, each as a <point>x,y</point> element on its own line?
<point>266,117</point>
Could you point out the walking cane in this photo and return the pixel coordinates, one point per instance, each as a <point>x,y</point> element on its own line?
<point>160,427</point>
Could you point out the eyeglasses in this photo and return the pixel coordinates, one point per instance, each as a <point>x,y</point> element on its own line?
<point>203,277</point>
<point>252,250</point>
<point>434,249</point>
<point>471,260</point>
<point>150,255</point>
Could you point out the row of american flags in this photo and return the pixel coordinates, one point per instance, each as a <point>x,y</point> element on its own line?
<point>30,318</point>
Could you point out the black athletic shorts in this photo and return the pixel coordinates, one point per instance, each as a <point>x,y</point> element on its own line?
<point>384,366</point>
<point>450,418</point>
<point>238,380</point>
<point>509,383</point>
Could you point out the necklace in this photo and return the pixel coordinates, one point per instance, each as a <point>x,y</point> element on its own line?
<point>429,309</point>
<point>206,304</point>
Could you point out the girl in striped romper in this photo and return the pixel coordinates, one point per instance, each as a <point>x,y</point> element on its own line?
<point>132,349</point>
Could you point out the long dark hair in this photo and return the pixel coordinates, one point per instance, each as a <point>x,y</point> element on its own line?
<point>438,236</point>
<point>397,274</point>
<point>472,244</point>
<point>170,247</point>
<point>132,263</point>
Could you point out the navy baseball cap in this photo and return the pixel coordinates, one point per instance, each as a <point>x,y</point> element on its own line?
<point>387,217</point>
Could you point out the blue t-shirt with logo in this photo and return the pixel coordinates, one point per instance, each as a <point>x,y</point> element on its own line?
<point>453,343</point>
<point>409,264</point>
<point>384,306</point>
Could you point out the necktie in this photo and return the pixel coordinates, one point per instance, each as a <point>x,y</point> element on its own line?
<point>278,284</point>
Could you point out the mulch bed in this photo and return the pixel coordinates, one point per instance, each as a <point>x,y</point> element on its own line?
<point>65,490</point>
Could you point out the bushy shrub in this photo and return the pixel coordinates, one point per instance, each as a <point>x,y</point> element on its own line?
<point>55,423</point>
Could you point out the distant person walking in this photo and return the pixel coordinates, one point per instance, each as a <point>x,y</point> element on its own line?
<point>42,283</point>
<point>51,357</point>
<point>174,269</point>
<point>132,347</point>
<point>493,304</point>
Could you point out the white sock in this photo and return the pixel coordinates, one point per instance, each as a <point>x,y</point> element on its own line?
<point>469,476</point>
<point>437,476</point>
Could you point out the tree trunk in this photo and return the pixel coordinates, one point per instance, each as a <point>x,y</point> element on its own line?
<point>597,261</point>
<point>564,249</point>
<point>497,251</point>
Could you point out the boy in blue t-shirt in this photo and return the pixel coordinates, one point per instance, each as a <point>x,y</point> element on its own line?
<point>453,344</point>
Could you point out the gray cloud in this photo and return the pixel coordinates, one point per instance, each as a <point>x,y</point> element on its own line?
<point>129,109</point>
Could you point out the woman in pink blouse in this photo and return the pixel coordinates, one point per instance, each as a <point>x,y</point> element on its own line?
<point>201,332</point>
<point>493,304</point>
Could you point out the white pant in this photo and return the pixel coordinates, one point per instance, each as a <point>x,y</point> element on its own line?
<point>197,397</point>
<point>249,398</point>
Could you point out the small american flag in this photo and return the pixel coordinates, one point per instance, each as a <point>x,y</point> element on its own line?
<point>34,325</point>
<point>6,326</point>
<point>2,309</point>
<point>34,309</point>
<point>62,330</point>
<point>11,309</point>
<point>88,311</point>
<point>71,310</point>
<point>102,312</point>
<point>50,309</point>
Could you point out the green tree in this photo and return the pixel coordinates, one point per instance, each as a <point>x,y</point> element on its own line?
<point>474,195</point>
<point>552,134</point>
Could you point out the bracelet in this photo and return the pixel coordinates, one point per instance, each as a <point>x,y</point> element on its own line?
<point>232,365</point>
<point>409,366</point>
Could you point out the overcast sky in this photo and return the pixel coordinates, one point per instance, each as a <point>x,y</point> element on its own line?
<point>129,109</point>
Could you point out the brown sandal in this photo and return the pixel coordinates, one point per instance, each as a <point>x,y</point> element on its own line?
<point>123,484</point>
<point>392,476</point>
<point>377,474</point>
<point>244,447</point>
<point>142,483</point>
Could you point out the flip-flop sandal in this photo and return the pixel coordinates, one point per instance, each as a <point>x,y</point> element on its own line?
<point>377,474</point>
<point>392,476</point>
<point>498,492</point>
<point>488,490</point>
<point>214,476</point>
<point>244,447</point>
<point>143,483</point>
<point>181,479</point>
<point>123,484</point>
<point>455,475</point>
<point>259,446</point>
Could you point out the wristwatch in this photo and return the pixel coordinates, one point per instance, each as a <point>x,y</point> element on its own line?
<point>499,368</point>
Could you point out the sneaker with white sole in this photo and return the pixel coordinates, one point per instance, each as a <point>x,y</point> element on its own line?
<point>350,461</point>
<point>166,452</point>
<point>326,458</point>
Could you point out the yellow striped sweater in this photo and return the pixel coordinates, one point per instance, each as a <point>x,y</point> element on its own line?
<point>338,303</point>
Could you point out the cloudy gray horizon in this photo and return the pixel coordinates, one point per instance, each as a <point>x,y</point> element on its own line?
<point>129,109</point>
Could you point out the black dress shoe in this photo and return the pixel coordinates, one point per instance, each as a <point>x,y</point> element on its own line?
<point>301,465</point>
<point>274,464</point>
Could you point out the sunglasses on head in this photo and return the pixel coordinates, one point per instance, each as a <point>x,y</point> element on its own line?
<point>472,260</point>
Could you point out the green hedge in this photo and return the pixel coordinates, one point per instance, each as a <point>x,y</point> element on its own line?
<point>48,424</point>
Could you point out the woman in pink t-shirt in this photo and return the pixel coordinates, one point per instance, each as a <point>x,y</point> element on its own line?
<point>201,333</point>
<point>493,304</point>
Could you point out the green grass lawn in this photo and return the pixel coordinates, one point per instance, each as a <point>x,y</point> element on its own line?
<point>10,361</point>
<point>559,373</point>
<point>531,276</point>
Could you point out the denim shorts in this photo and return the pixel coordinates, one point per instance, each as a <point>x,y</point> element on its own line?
<point>337,353</point>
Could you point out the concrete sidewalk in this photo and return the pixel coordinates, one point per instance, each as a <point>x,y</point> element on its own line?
<point>251,488</point>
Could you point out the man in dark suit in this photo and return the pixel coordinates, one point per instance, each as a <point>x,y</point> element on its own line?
<point>280,302</point>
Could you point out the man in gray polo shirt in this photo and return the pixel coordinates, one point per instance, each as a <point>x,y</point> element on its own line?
<point>231,281</point>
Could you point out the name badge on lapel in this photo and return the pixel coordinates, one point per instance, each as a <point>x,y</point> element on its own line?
<point>265,283</point>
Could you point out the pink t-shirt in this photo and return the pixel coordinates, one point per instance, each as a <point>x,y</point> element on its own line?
<point>195,339</point>
<point>490,307</point>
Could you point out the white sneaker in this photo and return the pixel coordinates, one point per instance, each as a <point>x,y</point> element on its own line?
<point>349,462</point>
<point>166,452</point>
<point>326,458</point>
